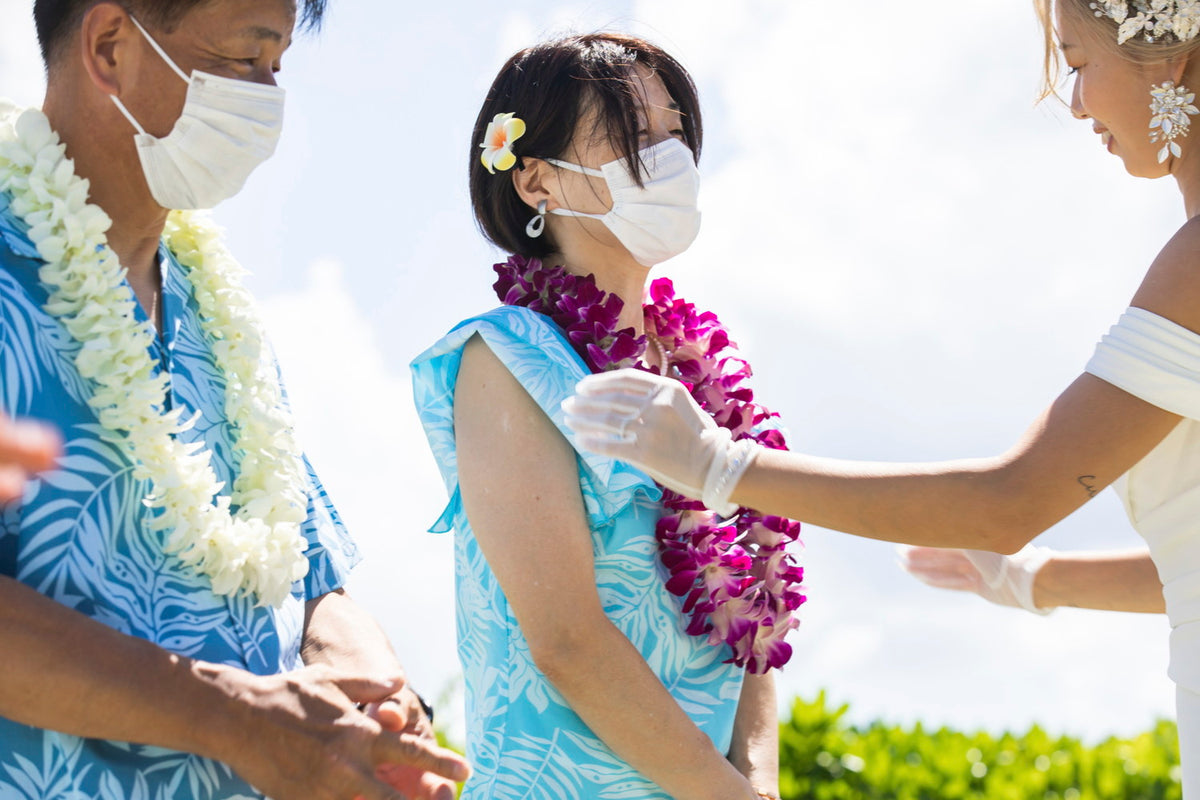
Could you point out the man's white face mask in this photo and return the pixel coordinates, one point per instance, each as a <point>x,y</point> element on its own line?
<point>227,128</point>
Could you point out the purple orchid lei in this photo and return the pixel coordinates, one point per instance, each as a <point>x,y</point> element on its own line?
<point>739,584</point>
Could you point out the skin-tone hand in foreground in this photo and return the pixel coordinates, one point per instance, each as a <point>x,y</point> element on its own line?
<point>1105,580</point>
<point>1090,435</point>
<point>540,549</point>
<point>294,736</point>
<point>25,448</point>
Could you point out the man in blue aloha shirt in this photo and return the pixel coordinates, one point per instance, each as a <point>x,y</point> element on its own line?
<point>123,672</point>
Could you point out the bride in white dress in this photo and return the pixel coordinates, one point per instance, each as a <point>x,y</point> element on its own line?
<point>1131,419</point>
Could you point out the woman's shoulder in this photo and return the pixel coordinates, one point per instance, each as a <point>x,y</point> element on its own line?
<point>1171,288</point>
<point>525,344</point>
<point>510,331</point>
<point>515,323</point>
<point>523,348</point>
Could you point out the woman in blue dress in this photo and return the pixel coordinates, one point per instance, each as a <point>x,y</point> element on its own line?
<point>582,679</point>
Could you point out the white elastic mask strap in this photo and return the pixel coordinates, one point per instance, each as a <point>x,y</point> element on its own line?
<point>121,107</point>
<point>595,173</point>
<point>158,49</point>
<point>162,54</point>
<point>566,212</point>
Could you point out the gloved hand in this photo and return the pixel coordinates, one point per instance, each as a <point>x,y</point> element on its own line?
<point>1000,579</point>
<point>653,423</point>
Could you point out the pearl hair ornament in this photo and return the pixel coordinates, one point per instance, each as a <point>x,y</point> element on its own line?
<point>1154,20</point>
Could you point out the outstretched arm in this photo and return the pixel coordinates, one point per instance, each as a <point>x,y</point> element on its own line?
<point>1090,435</point>
<point>519,482</point>
<point>1041,579</point>
<point>1109,581</point>
<point>1087,438</point>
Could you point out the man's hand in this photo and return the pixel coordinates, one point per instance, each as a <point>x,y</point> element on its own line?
<point>25,447</point>
<point>318,733</point>
<point>341,635</point>
<point>403,713</point>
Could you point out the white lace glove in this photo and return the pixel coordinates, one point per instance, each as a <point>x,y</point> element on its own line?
<point>653,423</point>
<point>1004,580</point>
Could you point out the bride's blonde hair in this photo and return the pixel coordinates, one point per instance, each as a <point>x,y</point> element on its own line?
<point>1103,32</point>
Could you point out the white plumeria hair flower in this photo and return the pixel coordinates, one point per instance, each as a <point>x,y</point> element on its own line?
<point>502,131</point>
<point>1153,20</point>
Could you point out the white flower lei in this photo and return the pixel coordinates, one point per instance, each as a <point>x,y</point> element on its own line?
<point>258,549</point>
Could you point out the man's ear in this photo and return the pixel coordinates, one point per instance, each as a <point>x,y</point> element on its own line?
<point>106,43</point>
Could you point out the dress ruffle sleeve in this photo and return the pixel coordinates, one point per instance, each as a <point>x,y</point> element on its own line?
<point>538,355</point>
<point>1153,359</point>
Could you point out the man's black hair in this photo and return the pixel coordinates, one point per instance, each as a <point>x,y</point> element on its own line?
<point>57,19</point>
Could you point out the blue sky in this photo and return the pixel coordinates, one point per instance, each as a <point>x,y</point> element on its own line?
<point>913,255</point>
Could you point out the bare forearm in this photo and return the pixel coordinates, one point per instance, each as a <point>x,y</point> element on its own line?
<point>65,672</point>
<point>339,633</point>
<point>952,504</point>
<point>1089,436</point>
<point>291,736</point>
<point>608,684</point>
<point>1121,581</point>
<point>755,747</point>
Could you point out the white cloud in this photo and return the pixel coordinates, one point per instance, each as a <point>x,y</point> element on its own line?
<point>20,64</point>
<point>357,423</point>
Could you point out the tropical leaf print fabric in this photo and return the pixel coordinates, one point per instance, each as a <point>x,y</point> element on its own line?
<point>80,536</point>
<point>522,738</point>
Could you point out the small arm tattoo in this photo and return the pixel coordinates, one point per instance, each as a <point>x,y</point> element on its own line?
<point>1085,482</point>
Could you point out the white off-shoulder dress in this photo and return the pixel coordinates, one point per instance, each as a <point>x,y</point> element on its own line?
<point>1158,361</point>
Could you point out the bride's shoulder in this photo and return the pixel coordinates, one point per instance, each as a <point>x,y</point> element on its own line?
<point>1171,288</point>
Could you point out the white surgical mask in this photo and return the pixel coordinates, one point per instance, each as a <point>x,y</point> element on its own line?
<point>658,219</point>
<point>227,128</point>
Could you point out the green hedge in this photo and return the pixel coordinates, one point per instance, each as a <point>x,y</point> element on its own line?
<point>824,758</point>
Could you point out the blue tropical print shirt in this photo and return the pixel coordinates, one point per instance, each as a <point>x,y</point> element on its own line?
<point>523,740</point>
<point>80,535</point>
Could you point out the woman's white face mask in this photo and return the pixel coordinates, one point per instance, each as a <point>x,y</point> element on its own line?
<point>660,218</point>
<point>227,128</point>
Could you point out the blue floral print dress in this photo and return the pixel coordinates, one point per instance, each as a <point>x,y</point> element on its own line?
<point>523,740</point>
<point>80,535</point>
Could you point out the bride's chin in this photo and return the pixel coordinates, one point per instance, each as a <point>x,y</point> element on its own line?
<point>1147,168</point>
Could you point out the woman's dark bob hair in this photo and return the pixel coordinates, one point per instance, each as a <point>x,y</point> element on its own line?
<point>550,86</point>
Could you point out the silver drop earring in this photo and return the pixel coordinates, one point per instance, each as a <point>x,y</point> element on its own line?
<point>538,224</point>
<point>1170,107</point>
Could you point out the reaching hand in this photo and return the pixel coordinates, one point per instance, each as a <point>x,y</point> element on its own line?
<point>25,447</point>
<point>653,423</point>
<point>307,737</point>
<point>1000,579</point>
